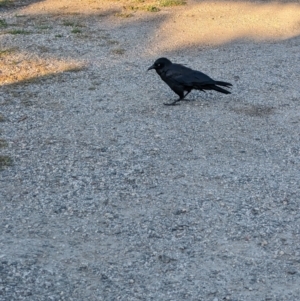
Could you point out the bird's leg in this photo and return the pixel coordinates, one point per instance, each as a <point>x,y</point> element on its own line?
<point>186,95</point>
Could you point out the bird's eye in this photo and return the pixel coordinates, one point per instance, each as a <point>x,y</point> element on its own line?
<point>158,65</point>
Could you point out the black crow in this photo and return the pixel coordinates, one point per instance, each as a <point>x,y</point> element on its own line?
<point>182,79</point>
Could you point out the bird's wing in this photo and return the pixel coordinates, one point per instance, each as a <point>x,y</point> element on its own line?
<point>188,77</point>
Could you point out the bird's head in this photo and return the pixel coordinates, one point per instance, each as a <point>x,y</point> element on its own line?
<point>160,64</point>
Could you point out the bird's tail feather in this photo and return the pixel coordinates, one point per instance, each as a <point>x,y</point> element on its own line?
<point>224,84</point>
<point>216,88</point>
<point>213,86</point>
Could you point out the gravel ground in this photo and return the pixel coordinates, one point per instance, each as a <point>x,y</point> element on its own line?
<point>113,196</point>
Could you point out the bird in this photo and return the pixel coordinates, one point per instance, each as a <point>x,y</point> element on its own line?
<point>182,79</point>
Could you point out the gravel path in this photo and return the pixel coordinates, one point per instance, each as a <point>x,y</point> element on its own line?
<point>113,196</point>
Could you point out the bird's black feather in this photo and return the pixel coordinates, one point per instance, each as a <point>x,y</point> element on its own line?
<point>182,79</point>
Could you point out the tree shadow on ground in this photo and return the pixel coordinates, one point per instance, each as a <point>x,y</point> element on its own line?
<point>14,4</point>
<point>199,25</point>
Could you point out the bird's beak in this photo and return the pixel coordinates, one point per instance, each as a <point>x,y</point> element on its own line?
<point>152,67</point>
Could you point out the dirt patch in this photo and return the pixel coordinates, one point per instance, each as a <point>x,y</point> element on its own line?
<point>254,110</point>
